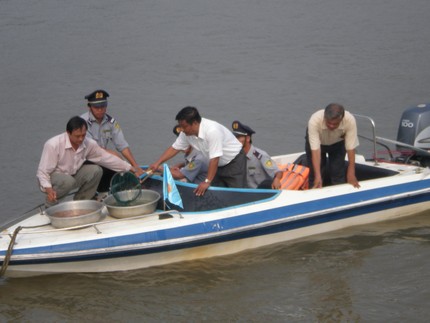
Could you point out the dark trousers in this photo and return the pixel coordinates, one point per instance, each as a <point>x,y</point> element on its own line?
<point>233,174</point>
<point>333,165</point>
<point>104,185</point>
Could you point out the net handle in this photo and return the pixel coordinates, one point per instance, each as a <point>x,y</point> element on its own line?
<point>145,176</point>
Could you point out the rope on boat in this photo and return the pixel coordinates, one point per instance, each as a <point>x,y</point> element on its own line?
<point>9,251</point>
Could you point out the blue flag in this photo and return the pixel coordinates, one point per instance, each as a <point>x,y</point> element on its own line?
<point>170,191</point>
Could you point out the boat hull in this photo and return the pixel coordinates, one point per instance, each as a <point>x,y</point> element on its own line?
<point>125,261</point>
<point>131,257</point>
<point>168,237</point>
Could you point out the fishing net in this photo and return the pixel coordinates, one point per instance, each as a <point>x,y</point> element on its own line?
<point>125,187</point>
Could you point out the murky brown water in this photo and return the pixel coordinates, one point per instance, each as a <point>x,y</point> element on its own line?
<point>269,64</point>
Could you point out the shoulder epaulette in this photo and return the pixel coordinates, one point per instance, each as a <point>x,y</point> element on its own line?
<point>110,118</point>
<point>257,154</point>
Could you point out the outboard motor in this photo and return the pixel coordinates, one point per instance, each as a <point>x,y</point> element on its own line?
<point>414,130</point>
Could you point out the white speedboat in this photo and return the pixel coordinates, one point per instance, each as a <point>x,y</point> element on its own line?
<point>226,221</point>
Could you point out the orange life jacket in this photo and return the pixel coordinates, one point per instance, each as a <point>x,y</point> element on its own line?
<point>294,176</point>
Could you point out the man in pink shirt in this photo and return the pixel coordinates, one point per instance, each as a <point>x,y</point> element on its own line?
<point>62,169</point>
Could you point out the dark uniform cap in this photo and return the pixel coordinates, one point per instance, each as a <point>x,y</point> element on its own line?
<point>239,129</point>
<point>97,98</point>
<point>177,130</point>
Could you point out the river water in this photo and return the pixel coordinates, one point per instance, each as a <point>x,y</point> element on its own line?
<point>269,64</point>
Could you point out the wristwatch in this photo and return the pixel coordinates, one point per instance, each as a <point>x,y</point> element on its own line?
<point>207,181</point>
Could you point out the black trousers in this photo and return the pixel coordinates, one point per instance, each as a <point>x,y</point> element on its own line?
<point>333,164</point>
<point>233,174</point>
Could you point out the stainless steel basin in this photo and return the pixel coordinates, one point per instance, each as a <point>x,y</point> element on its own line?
<point>146,203</point>
<point>73,213</point>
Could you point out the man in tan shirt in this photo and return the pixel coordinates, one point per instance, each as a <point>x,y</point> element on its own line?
<point>331,134</point>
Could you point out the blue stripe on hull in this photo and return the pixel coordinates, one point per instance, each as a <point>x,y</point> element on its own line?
<point>225,224</point>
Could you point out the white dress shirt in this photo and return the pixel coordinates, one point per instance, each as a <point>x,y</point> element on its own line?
<point>214,140</point>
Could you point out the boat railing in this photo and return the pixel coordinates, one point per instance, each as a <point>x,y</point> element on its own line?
<point>376,140</point>
<point>373,139</point>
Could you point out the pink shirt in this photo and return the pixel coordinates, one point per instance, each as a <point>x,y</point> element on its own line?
<point>59,156</point>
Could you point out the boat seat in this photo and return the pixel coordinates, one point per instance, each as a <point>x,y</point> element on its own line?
<point>213,199</point>
<point>362,172</point>
<point>366,172</point>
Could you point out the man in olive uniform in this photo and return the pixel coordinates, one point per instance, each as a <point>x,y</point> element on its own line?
<point>104,129</point>
<point>262,171</point>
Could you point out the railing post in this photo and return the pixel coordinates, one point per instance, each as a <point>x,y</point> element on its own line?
<point>374,134</point>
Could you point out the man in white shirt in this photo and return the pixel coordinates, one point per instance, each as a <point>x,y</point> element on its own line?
<point>227,160</point>
<point>194,168</point>
<point>62,169</point>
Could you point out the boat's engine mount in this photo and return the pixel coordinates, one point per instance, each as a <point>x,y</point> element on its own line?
<point>414,130</point>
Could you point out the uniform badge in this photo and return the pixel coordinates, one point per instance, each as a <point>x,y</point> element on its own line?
<point>99,95</point>
<point>191,165</point>
<point>269,163</point>
<point>117,126</point>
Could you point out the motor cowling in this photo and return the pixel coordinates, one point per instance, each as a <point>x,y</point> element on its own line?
<point>414,127</point>
<point>414,130</point>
